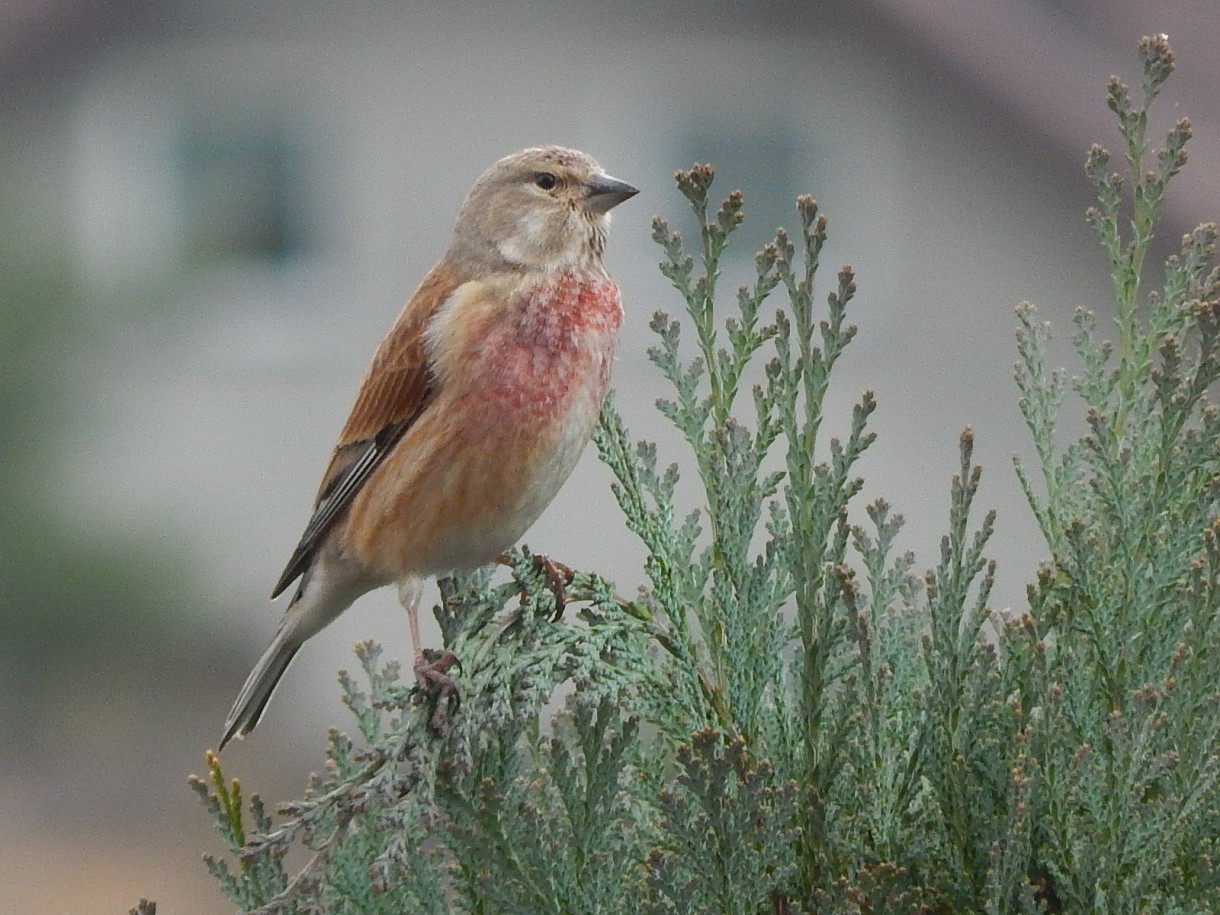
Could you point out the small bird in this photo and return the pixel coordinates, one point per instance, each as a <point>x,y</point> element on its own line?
<point>475,408</point>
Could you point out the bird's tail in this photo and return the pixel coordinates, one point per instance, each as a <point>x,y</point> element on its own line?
<point>325,592</point>
<point>261,683</point>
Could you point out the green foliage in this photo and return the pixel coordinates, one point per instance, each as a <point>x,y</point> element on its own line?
<point>1128,609</point>
<point>787,719</point>
<point>258,878</point>
<point>729,830</point>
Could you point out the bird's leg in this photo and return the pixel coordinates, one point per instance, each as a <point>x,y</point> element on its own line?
<point>558,575</point>
<point>430,665</point>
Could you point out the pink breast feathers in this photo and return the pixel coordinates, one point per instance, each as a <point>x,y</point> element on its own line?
<point>557,347</point>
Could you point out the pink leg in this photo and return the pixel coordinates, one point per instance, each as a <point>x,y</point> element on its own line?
<point>430,665</point>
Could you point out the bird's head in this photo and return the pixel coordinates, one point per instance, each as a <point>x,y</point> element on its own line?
<point>542,208</point>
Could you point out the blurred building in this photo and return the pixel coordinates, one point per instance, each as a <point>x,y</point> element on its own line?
<point>242,195</point>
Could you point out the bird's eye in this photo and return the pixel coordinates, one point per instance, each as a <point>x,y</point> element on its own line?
<point>545,180</point>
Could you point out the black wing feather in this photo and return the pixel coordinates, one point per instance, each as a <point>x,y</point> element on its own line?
<point>338,496</point>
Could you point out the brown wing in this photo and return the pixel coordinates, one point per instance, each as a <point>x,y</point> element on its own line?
<point>396,389</point>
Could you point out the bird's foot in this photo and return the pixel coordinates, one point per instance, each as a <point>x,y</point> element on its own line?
<point>558,576</point>
<point>430,667</point>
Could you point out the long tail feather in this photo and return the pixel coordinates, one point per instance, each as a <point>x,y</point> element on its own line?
<point>327,589</point>
<point>261,683</point>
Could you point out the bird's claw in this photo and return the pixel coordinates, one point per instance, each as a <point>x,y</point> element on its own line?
<point>559,576</point>
<point>430,667</point>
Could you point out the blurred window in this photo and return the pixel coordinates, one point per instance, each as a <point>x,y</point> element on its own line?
<point>244,194</point>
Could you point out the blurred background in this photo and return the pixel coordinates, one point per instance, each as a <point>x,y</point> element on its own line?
<point>210,212</point>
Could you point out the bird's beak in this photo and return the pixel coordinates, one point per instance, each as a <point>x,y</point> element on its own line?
<point>604,193</point>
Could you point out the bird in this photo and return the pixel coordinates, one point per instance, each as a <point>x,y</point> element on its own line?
<point>474,409</point>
